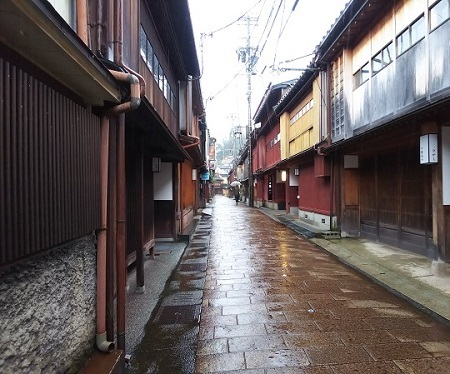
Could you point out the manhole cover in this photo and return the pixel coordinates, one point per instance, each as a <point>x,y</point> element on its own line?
<point>193,267</point>
<point>178,314</point>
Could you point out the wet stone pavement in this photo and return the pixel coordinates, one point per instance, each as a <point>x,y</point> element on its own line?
<point>273,302</point>
<point>252,296</point>
<point>170,337</point>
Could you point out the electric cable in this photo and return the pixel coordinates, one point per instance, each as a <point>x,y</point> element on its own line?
<point>237,20</point>
<point>224,87</point>
<point>281,33</point>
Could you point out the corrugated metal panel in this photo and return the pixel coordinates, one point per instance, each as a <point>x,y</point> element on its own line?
<point>49,166</point>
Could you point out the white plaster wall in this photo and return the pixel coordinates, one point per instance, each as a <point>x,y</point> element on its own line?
<point>163,182</point>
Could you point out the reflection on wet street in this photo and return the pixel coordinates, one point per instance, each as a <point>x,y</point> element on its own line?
<point>273,302</point>
<point>252,296</point>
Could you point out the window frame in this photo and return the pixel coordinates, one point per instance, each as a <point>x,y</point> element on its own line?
<point>408,32</point>
<point>430,14</point>
<point>362,75</point>
<point>383,61</point>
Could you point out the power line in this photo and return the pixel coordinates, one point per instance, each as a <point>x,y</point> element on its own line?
<point>279,35</point>
<point>226,85</point>
<point>270,30</point>
<point>237,20</point>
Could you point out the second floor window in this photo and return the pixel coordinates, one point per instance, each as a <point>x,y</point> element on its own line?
<point>153,64</point>
<point>439,13</point>
<point>382,58</point>
<point>362,75</point>
<point>411,35</point>
<point>337,98</point>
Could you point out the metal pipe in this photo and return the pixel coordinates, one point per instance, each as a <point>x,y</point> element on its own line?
<point>102,343</point>
<point>82,28</point>
<point>120,239</point>
<point>135,97</point>
<point>140,77</point>
<point>197,142</point>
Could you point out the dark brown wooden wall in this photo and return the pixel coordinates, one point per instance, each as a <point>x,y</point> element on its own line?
<point>396,202</point>
<point>49,164</point>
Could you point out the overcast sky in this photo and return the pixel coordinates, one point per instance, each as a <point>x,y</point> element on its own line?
<point>224,79</point>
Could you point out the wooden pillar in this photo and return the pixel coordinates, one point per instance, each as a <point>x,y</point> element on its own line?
<point>139,229</point>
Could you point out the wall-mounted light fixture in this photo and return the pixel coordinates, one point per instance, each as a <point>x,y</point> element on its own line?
<point>296,171</point>
<point>429,143</point>
<point>194,174</point>
<point>283,175</point>
<point>429,149</point>
<point>156,164</point>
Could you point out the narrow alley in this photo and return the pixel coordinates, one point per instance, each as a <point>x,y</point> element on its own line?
<point>275,303</point>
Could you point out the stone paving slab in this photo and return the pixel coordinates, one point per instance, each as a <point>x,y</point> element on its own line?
<point>275,302</point>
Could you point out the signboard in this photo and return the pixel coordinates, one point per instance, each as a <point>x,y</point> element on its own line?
<point>204,176</point>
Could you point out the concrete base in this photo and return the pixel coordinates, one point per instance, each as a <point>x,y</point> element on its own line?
<point>440,268</point>
<point>140,290</point>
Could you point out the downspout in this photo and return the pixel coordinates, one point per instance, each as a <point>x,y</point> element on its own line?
<point>135,98</point>
<point>82,28</point>
<point>197,142</point>
<point>119,111</point>
<point>102,343</point>
<point>137,88</point>
<point>137,85</point>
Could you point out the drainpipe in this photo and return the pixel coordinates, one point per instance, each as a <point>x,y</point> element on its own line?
<point>82,21</point>
<point>197,142</point>
<point>118,110</point>
<point>102,343</point>
<point>135,98</point>
<point>120,238</point>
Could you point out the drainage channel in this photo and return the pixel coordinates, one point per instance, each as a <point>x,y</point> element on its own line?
<point>170,341</point>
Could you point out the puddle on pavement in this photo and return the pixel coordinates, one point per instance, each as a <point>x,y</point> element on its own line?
<point>165,349</point>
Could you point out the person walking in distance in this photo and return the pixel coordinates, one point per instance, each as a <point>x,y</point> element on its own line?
<point>236,194</point>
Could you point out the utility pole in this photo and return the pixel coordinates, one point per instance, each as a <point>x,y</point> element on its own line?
<point>248,56</point>
<point>249,132</point>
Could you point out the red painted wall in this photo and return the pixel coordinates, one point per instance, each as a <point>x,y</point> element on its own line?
<point>314,192</point>
<point>273,152</point>
<point>259,154</point>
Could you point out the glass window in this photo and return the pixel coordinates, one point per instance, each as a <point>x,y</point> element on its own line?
<point>403,42</point>
<point>388,54</point>
<point>414,33</point>
<point>439,13</point>
<point>418,30</point>
<point>161,78</point>
<point>143,44</point>
<point>149,55</point>
<point>377,63</point>
<point>166,88</point>
<point>382,59</point>
<point>362,75</point>
<point>155,68</point>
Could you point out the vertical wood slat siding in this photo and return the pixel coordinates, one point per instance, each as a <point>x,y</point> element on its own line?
<point>49,166</point>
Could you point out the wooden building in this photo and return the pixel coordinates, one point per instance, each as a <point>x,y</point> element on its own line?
<point>303,119</point>
<point>270,190</point>
<point>388,130</point>
<point>100,137</point>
